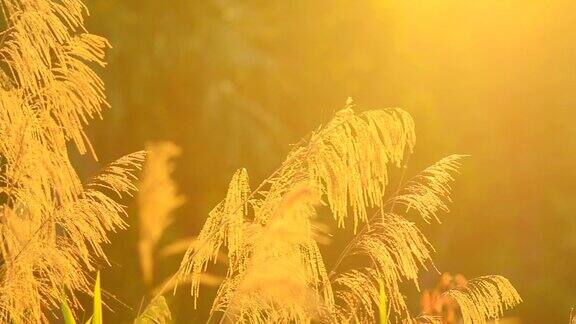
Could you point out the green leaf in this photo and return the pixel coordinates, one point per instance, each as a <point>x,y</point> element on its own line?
<point>66,312</point>
<point>157,312</point>
<point>383,307</point>
<point>97,315</point>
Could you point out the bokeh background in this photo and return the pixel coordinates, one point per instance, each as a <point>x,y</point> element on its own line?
<point>234,83</point>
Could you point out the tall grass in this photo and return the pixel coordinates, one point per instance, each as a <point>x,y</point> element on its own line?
<point>53,225</point>
<point>276,271</point>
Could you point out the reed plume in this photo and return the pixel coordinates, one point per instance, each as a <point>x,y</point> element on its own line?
<point>276,270</point>
<point>157,199</point>
<point>485,298</point>
<point>52,226</point>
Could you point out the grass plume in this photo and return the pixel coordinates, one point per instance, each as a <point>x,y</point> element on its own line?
<point>276,271</point>
<point>157,199</point>
<point>52,225</point>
